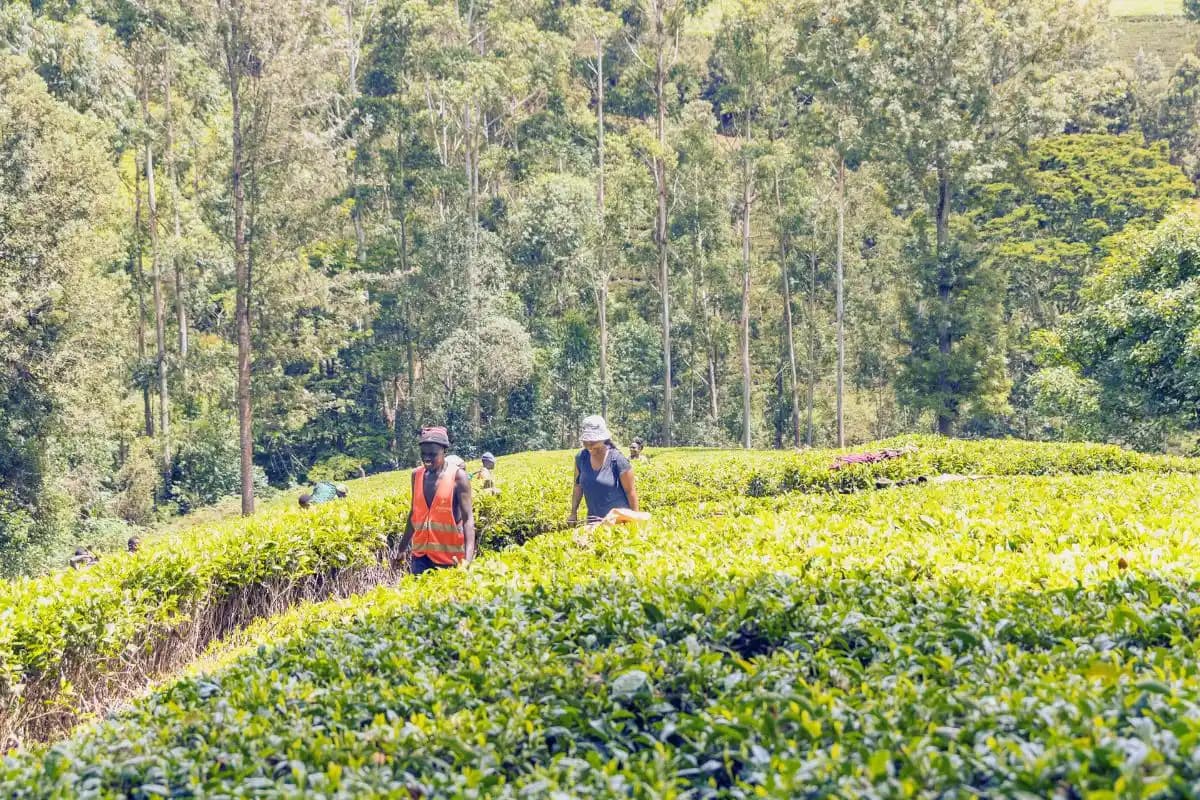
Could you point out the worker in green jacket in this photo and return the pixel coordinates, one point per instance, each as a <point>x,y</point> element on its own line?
<point>323,492</point>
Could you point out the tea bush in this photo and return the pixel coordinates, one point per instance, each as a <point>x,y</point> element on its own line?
<point>71,641</point>
<point>1015,637</point>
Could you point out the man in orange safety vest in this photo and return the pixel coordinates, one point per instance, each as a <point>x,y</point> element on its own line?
<point>441,522</point>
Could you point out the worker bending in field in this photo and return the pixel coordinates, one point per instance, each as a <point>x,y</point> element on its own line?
<point>603,476</point>
<point>441,522</point>
<point>84,557</point>
<point>323,492</point>
<point>486,475</point>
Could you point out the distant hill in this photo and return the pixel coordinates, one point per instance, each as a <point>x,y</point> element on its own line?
<point>1146,8</point>
<point>1153,26</point>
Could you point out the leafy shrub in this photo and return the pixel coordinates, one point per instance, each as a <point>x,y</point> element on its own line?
<point>336,468</point>
<point>18,532</point>
<point>105,534</point>
<point>32,539</point>
<point>114,619</point>
<point>207,465</point>
<point>1000,638</point>
<point>137,483</point>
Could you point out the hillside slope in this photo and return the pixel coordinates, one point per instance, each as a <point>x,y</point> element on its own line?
<point>1153,27</point>
<point>73,643</point>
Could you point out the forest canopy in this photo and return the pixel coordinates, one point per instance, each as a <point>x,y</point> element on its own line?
<point>246,244</point>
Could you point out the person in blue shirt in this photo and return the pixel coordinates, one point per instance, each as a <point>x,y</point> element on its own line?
<point>603,475</point>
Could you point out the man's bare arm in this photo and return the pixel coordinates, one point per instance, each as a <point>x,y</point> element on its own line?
<point>462,486</point>
<point>406,540</point>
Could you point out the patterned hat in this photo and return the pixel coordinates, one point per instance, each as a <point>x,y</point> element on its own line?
<point>594,429</point>
<point>434,435</point>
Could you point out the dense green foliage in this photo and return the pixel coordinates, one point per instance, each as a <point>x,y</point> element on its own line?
<point>1064,198</point>
<point>1050,223</point>
<point>503,216</point>
<point>1134,339</point>
<point>1003,636</point>
<point>66,637</point>
<point>59,368</point>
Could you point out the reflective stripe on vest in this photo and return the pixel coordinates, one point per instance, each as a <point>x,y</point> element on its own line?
<point>435,533</point>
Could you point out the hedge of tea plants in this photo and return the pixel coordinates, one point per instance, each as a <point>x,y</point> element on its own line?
<point>537,501</point>
<point>1015,637</point>
<point>72,640</point>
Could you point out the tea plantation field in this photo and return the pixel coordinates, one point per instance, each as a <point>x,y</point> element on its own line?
<point>1030,633</point>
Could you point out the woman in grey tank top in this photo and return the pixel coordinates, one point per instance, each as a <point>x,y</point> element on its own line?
<point>603,475</point>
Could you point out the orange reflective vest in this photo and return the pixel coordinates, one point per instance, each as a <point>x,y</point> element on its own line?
<point>435,533</point>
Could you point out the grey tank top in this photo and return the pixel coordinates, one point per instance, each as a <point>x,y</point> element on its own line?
<point>602,488</point>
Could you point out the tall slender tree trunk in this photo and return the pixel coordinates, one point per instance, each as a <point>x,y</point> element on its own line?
<point>602,231</point>
<point>360,233</point>
<point>392,399</point>
<point>945,417</point>
<point>176,261</point>
<point>352,55</point>
<point>477,136</point>
<point>714,400</point>
<point>787,315</point>
<point>402,195</point>
<point>472,173</point>
<point>139,279</point>
<point>778,423</point>
<point>241,257</point>
<point>812,342</point>
<point>747,437</point>
<point>411,362</point>
<point>160,310</point>
<point>399,216</point>
<point>660,227</point>
<point>700,309</point>
<point>602,308</point>
<point>841,320</point>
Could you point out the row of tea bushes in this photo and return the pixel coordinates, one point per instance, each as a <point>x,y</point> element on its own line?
<point>1014,637</point>
<point>72,641</point>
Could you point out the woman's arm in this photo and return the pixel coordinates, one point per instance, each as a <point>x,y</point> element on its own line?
<point>576,497</point>
<point>630,487</point>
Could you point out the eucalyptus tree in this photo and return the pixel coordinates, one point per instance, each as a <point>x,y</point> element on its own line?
<point>597,28</point>
<point>747,62</point>
<point>654,43</point>
<point>943,117</point>
<point>269,52</point>
<point>832,66</point>
<point>705,187</point>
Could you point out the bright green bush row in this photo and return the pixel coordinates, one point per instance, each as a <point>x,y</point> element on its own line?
<point>71,626</point>
<point>1015,637</point>
<point>538,502</point>
<point>75,627</point>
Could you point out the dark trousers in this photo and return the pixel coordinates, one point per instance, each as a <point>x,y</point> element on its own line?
<point>425,564</point>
